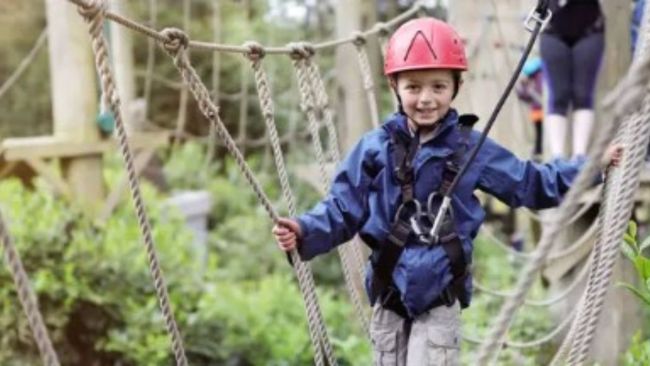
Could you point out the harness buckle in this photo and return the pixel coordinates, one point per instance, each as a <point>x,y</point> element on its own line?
<point>533,17</point>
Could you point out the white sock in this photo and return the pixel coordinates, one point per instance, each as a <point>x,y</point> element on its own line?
<point>583,120</point>
<point>555,126</point>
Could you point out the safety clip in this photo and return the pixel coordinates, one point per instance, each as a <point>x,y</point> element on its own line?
<point>533,17</point>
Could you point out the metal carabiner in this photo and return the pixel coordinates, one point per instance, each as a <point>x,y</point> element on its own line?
<point>434,233</point>
<point>534,17</point>
<point>416,205</point>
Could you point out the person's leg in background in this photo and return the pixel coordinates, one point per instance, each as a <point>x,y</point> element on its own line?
<point>557,69</point>
<point>587,59</point>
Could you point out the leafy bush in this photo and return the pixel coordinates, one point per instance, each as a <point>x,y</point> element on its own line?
<point>98,301</point>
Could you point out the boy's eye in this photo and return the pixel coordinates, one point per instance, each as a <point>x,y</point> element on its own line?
<point>440,86</point>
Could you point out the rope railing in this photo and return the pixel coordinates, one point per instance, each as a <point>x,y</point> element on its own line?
<point>211,46</point>
<point>27,297</point>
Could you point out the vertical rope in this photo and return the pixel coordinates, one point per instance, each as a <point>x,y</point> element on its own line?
<point>366,72</point>
<point>266,105</point>
<point>27,297</point>
<point>322,102</point>
<point>301,61</point>
<point>93,13</point>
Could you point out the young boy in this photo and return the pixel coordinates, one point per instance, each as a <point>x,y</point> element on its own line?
<point>388,191</point>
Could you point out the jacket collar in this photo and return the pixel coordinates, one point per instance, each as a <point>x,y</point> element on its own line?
<point>397,123</point>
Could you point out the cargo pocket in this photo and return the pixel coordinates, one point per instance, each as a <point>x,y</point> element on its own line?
<point>444,347</point>
<point>384,344</point>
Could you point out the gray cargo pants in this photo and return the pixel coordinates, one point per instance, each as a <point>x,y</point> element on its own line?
<point>431,339</point>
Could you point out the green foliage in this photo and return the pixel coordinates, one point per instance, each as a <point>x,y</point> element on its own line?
<point>639,351</point>
<point>236,306</point>
<point>494,269</point>
<point>635,253</point>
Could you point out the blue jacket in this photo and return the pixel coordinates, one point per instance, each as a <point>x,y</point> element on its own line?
<point>364,197</point>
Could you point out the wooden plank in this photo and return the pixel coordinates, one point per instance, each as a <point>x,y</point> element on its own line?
<point>47,147</point>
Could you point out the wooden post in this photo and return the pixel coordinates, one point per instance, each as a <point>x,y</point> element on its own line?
<point>74,98</point>
<point>352,110</point>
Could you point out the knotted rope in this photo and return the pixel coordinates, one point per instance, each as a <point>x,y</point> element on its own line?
<point>255,56</point>
<point>366,71</point>
<point>93,12</point>
<point>301,60</point>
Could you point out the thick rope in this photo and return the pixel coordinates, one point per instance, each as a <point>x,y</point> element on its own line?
<point>636,137</point>
<point>266,104</point>
<point>301,60</point>
<point>619,199</point>
<point>176,45</point>
<point>627,96</point>
<point>211,46</point>
<point>322,104</point>
<point>24,64</point>
<point>27,297</point>
<point>366,72</point>
<point>93,13</point>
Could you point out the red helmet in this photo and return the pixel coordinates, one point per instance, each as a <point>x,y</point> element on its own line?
<point>424,43</point>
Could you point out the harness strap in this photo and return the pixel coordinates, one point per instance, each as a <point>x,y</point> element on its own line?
<point>403,152</point>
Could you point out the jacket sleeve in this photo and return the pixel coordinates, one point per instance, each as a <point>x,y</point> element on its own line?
<point>338,217</point>
<point>525,183</point>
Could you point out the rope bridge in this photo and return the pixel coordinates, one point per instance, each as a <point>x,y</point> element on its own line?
<point>629,104</point>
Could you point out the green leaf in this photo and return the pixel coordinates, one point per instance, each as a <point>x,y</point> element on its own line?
<point>642,265</point>
<point>645,244</point>
<point>632,229</point>
<point>645,297</point>
<point>631,242</point>
<point>629,252</point>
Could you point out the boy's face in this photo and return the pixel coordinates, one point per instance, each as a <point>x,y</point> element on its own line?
<point>426,95</point>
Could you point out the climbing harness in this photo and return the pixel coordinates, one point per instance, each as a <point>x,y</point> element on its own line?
<point>411,219</point>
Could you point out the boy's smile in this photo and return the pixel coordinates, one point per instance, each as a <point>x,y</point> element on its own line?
<point>426,95</point>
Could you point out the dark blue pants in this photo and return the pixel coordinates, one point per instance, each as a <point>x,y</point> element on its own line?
<point>571,70</point>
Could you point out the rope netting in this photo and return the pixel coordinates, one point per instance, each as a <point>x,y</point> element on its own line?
<point>620,186</point>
